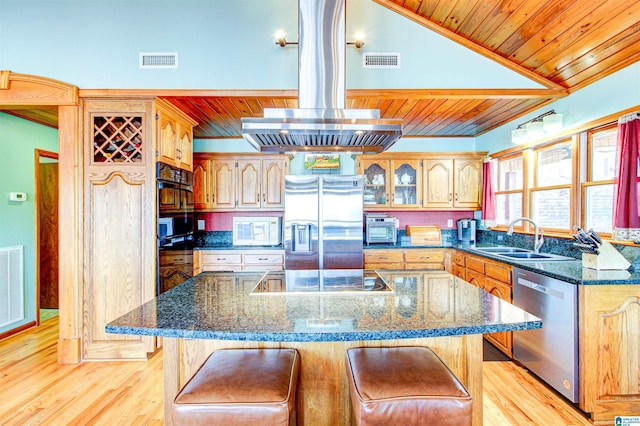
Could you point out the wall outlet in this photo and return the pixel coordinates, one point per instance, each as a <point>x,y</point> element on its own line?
<point>450,223</point>
<point>18,196</point>
<point>201,225</point>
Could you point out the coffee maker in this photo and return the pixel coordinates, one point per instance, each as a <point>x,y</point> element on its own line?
<point>467,231</point>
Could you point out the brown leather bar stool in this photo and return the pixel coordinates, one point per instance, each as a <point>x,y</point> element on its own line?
<point>405,386</point>
<point>241,387</point>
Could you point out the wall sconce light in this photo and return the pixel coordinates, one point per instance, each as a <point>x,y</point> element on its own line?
<point>281,39</point>
<point>544,124</point>
<point>359,41</point>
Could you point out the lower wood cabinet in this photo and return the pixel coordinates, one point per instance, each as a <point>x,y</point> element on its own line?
<point>175,268</point>
<point>238,260</point>
<point>417,258</point>
<point>493,277</point>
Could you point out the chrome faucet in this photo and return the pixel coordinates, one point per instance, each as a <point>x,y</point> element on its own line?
<point>539,237</point>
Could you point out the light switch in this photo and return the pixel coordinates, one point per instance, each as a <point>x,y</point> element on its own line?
<point>450,223</point>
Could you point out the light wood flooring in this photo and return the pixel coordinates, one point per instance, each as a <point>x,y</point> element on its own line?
<point>35,390</point>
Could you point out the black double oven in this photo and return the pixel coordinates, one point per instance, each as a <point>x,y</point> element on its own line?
<point>175,226</point>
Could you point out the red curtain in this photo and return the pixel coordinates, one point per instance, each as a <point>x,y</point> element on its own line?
<point>488,196</point>
<point>626,222</point>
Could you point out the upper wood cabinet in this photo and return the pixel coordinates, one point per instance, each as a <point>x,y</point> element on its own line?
<point>393,183</point>
<point>224,182</point>
<point>174,135</point>
<point>453,183</point>
<point>422,181</point>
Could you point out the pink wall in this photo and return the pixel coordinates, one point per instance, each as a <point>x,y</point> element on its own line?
<point>224,221</point>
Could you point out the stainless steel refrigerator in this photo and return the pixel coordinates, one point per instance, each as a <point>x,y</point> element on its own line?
<point>323,222</point>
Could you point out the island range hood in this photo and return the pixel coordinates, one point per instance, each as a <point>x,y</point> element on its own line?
<point>321,122</point>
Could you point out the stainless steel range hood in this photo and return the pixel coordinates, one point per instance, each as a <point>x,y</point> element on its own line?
<point>321,122</point>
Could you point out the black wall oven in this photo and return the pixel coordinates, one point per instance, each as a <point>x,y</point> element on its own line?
<point>175,226</point>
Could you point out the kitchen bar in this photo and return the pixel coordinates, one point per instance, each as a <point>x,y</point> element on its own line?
<point>425,308</point>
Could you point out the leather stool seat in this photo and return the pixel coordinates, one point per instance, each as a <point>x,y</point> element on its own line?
<point>240,387</point>
<point>405,386</point>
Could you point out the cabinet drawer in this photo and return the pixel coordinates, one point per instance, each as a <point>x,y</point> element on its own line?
<point>458,258</point>
<point>216,258</point>
<point>173,259</point>
<point>264,259</point>
<point>383,256</point>
<point>474,263</point>
<point>421,256</point>
<point>500,272</point>
<point>384,265</point>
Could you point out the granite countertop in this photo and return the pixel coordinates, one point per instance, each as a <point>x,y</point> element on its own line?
<point>218,305</point>
<point>232,247</point>
<point>566,270</point>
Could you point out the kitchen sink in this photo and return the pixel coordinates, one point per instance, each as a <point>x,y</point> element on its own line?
<point>501,250</point>
<point>520,254</point>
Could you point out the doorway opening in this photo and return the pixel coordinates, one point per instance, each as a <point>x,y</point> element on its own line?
<point>46,231</point>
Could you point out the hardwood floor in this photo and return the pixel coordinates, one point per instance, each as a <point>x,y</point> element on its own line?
<point>36,390</point>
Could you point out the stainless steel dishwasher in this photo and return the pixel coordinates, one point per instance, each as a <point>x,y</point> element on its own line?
<point>550,352</point>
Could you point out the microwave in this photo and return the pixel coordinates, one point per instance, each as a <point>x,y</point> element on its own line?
<point>257,231</point>
<point>381,230</point>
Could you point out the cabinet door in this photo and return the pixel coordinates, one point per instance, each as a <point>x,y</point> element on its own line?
<point>468,184</point>
<point>167,137</point>
<point>201,185</point>
<point>502,340</point>
<point>223,181</point>
<point>249,185</point>
<point>184,146</point>
<point>168,200</point>
<point>407,183</point>
<point>474,277</point>
<point>377,189</point>
<point>438,186</point>
<point>273,172</point>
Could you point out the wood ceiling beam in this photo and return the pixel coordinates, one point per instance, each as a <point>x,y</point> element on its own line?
<point>469,44</point>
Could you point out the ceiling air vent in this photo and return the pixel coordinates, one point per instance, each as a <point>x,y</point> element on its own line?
<point>159,60</point>
<point>381,60</point>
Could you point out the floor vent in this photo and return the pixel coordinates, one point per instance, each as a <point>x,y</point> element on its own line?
<point>11,285</point>
<point>381,60</point>
<point>159,60</point>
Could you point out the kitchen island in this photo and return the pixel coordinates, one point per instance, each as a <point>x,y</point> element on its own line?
<point>225,310</point>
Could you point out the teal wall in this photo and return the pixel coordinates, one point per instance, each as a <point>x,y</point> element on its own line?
<point>607,96</point>
<point>222,44</point>
<point>18,140</point>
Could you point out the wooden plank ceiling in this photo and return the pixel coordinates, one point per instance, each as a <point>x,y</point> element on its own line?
<point>564,45</point>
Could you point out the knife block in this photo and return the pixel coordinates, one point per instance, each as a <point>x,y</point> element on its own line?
<point>609,258</point>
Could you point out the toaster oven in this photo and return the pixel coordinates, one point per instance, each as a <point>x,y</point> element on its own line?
<point>381,230</point>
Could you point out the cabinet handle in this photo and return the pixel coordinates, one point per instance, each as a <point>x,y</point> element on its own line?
<point>263,197</point>
<point>456,196</point>
<point>263,258</point>
<point>221,258</point>
<point>450,197</point>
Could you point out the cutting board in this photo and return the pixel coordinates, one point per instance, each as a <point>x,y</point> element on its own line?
<point>424,235</point>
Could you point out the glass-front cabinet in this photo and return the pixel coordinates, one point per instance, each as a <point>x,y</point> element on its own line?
<point>407,179</point>
<point>391,183</point>
<point>376,183</point>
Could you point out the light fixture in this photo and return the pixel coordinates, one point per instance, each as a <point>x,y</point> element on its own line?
<point>281,40</point>
<point>544,124</point>
<point>359,41</point>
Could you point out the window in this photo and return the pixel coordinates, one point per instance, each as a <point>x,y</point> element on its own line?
<point>597,212</point>
<point>510,189</point>
<point>553,185</point>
